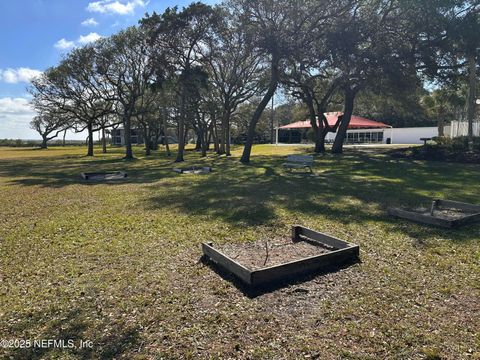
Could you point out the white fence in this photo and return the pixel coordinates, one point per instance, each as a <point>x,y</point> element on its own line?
<point>460,128</point>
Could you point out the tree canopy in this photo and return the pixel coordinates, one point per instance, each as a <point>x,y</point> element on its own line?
<point>211,71</point>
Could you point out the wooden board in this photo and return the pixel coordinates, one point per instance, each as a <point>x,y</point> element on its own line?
<point>458,205</point>
<point>345,253</point>
<point>305,266</point>
<point>420,218</point>
<point>441,204</point>
<point>467,220</point>
<point>322,238</point>
<point>231,265</point>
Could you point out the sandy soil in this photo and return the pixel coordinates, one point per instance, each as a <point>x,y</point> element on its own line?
<point>106,176</point>
<point>446,214</point>
<point>253,255</point>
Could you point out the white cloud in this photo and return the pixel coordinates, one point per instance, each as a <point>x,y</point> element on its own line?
<point>120,7</point>
<point>15,117</point>
<point>89,22</point>
<point>14,76</point>
<point>64,44</point>
<point>19,106</point>
<point>85,39</point>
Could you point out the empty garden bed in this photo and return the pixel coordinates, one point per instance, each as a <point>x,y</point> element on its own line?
<point>193,170</point>
<point>104,176</point>
<point>444,213</point>
<point>261,262</point>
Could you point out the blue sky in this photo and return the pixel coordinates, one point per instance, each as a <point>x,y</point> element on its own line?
<point>35,33</point>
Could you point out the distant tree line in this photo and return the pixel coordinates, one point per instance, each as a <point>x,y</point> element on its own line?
<point>211,70</point>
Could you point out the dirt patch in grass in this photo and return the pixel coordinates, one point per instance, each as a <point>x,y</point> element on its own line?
<point>445,214</point>
<point>193,170</point>
<point>264,253</point>
<point>104,176</point>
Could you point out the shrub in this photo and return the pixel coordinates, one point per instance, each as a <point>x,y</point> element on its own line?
<point>458,144</point>
<point>443,141</point>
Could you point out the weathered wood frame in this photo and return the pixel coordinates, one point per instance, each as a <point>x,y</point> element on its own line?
<point>342,253</point>
<point>192,169</point>
<point>121,175</point>
<point>432,220</point>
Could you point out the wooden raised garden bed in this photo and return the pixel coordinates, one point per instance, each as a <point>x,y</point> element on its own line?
<point>444,213</point>
<point>104,176</point>
<point>193,170</point>
<point>306,251</point>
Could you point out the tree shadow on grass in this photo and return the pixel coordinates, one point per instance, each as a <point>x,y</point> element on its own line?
<point>58,172</point>
<point>72,327</point>
<point>254,292</point>
<point>343,189</point>
<point>423,233</point>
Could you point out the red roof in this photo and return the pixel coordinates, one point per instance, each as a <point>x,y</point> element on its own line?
<point>356,122</point>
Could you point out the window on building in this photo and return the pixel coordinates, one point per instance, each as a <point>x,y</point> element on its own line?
<point>364,137</point>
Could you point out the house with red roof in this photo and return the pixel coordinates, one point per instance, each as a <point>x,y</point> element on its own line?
<point>360,131</point>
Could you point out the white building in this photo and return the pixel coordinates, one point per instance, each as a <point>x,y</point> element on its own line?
<point>365,131</point>
<point>412,135</point>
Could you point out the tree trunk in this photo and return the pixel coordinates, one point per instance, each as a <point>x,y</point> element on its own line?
<point>320,141</point>
<point>148,146</point>
<point>347,115</point>
<point>90,139</point>
<point>64,136</point>
<point>127,136</point>
<point>104,142</point>
<point>216,145</point>
<point>272,118</point>
<point>324,129</point>
<point>198,143</point>
<point>272,87</point>
<point>317,125</point>
<point>185,137</point>
<point>165,142</point>
<point>208,137</point>
<point>155,138</point>
<point>181,127</point>
<point>227,136</point>
<point>441,122</point>
<point>165,132</point>
<point>222,137</point>
<point>472,75</point>
<point>205,144</point>
<point>202,143</point>
<point>44,145</point>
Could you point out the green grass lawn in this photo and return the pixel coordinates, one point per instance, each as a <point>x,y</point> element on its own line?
<point>118,264</point>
